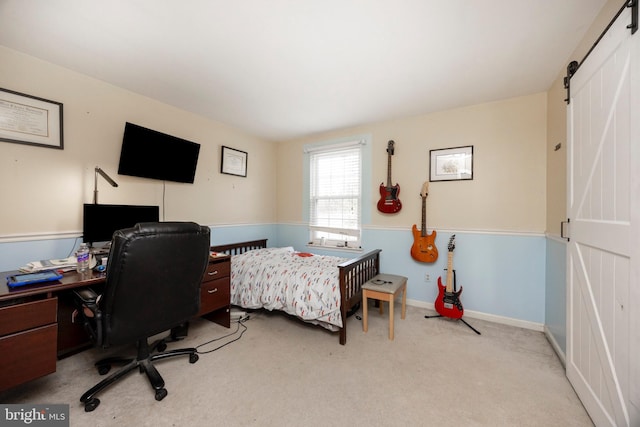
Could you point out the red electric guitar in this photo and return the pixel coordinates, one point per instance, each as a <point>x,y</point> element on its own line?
<point>424,247</point>
<point>389,202</point>
<point>448,303</point>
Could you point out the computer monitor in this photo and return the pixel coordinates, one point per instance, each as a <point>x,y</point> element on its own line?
<point>101,221</point>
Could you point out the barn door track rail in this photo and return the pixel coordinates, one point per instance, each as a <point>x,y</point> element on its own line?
<point>574,65</point>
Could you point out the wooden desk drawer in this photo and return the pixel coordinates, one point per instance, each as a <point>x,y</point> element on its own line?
<point>214,294</point>
<point>27,355</point>
<point>216,270</point>
<point>20,317</point>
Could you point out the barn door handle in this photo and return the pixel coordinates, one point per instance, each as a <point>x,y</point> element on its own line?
<point>562,223</point>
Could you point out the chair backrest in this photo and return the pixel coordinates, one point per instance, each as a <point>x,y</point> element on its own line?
<point>153,279</point>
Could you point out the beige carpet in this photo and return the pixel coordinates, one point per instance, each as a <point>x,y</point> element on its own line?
<point>436,372</point>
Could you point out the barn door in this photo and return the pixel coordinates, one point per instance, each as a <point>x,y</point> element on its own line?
<point>603,354</point>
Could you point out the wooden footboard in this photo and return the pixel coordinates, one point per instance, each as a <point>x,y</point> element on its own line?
<point>352,273</point>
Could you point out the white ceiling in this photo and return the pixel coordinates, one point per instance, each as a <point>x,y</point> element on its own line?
<point>281,69</point>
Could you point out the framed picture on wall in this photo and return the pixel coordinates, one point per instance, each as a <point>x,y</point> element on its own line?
<point>26,119</point>
<point>233,162</point>
<point>451,164</point>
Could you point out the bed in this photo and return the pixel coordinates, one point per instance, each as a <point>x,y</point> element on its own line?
<point>336,285</point>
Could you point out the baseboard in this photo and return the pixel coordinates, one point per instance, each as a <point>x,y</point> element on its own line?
<point>539,327</point>
<point>555,346</point>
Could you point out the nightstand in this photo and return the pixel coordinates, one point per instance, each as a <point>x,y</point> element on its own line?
<point>215,292</point>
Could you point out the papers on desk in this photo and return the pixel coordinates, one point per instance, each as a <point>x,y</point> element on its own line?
<point>64,264</point>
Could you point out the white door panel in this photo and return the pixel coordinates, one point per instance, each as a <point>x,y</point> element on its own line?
<point>606,235</point>
<point>602,255</point>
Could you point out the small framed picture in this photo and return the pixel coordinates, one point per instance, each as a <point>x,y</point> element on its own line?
<point>451,164</point>
<point>233,162</point>
<point>26,119</point>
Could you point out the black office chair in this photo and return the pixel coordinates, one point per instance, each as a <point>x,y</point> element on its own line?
<point>152,285</point>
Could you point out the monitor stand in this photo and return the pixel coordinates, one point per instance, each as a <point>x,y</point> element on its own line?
<point>101,250</point>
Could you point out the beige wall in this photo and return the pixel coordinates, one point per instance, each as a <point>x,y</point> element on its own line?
<point>43,189</point>
<point>519,180</point>
<point>556,160</point>
<point>507,193</point>
<point>557,125</point>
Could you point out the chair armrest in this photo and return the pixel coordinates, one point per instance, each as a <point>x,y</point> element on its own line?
<point>87,299</point>
<point>87,295</point>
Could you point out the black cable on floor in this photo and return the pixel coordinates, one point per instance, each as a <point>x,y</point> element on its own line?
<point>239,323</point>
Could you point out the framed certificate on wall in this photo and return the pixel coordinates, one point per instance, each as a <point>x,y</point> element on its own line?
<point>233,162</point>
<point>26,119</point>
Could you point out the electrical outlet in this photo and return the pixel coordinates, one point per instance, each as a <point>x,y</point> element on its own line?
<point>427,277</point>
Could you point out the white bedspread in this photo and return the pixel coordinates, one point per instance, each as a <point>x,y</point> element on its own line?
<point>296,283</point>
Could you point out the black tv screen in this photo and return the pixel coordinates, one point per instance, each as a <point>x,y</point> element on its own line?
<point>148,153</point>
<point>101,221</point>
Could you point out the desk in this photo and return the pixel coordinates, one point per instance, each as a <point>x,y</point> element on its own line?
<point>36,327</point>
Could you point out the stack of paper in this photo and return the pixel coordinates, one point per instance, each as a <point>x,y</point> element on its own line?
<point>217,254</point>
<point>50,264</point>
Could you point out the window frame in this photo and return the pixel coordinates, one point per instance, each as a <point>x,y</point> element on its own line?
<point>364,142</point>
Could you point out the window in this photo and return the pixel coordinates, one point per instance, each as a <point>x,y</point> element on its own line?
<point>335,193</point>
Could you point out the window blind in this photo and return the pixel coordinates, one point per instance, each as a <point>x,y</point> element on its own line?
<point>335,193</point>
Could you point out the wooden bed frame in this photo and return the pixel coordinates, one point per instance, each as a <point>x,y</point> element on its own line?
<point>352,273</point>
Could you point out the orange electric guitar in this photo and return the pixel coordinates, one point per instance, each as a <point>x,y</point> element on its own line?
<point>389,202</point>
<point>424,247</point>
<point>448,303</point>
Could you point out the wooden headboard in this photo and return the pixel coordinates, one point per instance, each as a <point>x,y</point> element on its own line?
<point>240,248</point>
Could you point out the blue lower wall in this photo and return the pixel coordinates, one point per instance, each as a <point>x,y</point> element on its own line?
<point>501,274</point>
<point>242,233</point>
<point>15,254</point>
<point>556,291</point>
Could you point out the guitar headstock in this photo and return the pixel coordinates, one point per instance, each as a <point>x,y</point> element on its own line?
<point>390,145</point>
<point>425,190</point>
<point>452,244</point>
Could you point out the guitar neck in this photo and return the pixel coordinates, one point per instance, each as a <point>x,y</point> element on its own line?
<point>388,170</point>
<point>423,233</point>
<point>449,287</point>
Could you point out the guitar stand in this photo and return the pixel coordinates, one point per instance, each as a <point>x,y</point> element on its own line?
<point>461,319</point>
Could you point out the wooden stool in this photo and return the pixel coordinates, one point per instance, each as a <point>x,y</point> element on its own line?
<point>384,287</point>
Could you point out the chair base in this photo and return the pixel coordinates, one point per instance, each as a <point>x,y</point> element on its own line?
<point>177,333</point>
<point>144,363</point>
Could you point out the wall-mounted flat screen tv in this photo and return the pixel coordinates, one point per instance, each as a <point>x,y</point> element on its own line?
<point>101,221</point>
<point>148,153</point>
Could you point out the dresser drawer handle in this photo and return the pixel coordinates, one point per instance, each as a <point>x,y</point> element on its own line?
<point>213,273</point>
<point>213,291</point>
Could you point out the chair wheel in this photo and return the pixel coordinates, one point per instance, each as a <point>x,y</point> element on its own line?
<point>193,358</point>
<point>162,346</point>
<point>92,404</point>
<point>161,394</point>
<point>104,369</point>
